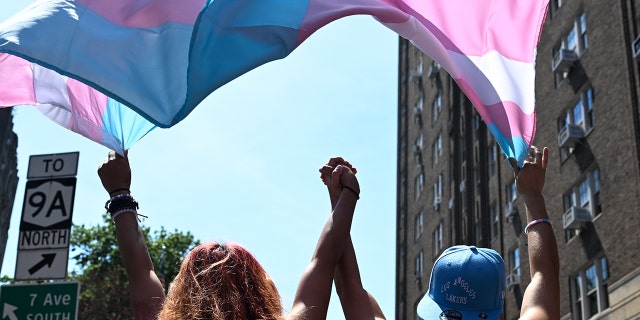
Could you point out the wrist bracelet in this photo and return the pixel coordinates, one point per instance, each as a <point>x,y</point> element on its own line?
<point>352,190</point>
<point>134,211</point>
<point>534,222</point>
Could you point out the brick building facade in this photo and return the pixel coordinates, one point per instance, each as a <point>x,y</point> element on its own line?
<point>455,187</point>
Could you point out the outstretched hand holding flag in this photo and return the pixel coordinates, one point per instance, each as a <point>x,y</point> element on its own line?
<point>113,70</point>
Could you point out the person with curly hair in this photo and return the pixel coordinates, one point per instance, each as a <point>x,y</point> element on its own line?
<point>225,281</point>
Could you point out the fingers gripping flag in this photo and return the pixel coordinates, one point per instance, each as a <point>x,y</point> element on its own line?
<point>113,70</point>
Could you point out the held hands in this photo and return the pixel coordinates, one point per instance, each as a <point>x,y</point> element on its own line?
<point>115,174</point>
<point>339,174</point>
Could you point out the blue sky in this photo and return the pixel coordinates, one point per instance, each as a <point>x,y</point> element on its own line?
<point>243,166</point>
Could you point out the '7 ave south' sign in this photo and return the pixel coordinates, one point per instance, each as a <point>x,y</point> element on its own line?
<point>51,301</point>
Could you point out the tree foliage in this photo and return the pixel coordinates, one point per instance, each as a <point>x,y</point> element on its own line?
<point>103,280</point>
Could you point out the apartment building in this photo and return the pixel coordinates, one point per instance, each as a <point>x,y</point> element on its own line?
<point>455,186</point>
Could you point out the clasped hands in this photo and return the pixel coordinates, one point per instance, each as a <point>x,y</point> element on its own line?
<point>338,174</point>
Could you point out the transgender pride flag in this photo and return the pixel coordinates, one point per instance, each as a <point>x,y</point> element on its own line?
<point>112,70</point>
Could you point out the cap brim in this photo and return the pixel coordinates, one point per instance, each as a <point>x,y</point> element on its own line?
<point>431,310</point>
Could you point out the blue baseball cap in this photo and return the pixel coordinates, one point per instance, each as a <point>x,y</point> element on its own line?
<point>467,283</point>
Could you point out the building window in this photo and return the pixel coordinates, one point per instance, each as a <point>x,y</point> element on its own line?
<point>478,223</point>
<point>437,240</point>
<point>437,192</point>
<point>584,194</point>
<point>419,185</point>
<point>495,220</point>
<point>417,110</point>
<point>419,263</point>
<point>436,107</point>
<point>419,140</point>
<point>576,38</point>
<point>511,192</point>
<point>556,4</point>
<point>589,290</point>
<point>476,163</point>
<point>418,224</point>
<point>476,121</point>
<point>436,150</point>
<point>493,159</point>
<point>580,114</point>
<point>514,261</point>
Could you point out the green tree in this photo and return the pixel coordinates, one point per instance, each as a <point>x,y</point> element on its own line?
<point>103,280</point>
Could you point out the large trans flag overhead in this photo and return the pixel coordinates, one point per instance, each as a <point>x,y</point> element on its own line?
<point>113,70</point>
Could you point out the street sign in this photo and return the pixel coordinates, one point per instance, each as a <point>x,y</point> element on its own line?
<point>45,227</point>
<point>48,204</point>
<point>44,239</point>
<point>47,301</point>
<point>47,166</point>
<point>42,264</point>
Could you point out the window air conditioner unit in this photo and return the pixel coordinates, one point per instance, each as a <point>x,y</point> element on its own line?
<point>420,168</point>
<point>417,111</point>
<point>575,217</point>
<point>564,60</point>
<point>434,70</point>
<point>512,280</point>
<point>415,74</point>
<point>436,201</point>
<point>635,47</point>
<point>511,210</point>
<point>416,149</point>
<point>570,135</point>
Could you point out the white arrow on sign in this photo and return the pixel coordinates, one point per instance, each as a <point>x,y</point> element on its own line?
<point>9,311</point>
<point>42,264</point>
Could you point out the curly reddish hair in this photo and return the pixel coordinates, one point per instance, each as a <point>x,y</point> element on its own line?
<point>221,281</point>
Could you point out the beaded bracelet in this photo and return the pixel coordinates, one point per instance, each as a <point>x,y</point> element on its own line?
<point>534,222</point>
<point>118,199</point>
<point>119,212</point>
<point>120,204</point>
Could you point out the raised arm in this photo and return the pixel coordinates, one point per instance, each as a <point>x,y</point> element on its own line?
<point>314,289</point>
<point>147,294</point>
<point>356,302</point>
<point>542,297</point>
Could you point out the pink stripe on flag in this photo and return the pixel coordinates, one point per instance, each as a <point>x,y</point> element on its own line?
<point>506,115</point>
<point>502,25</point>
<point>86,102</point>
<point>17,72</point>
<point>87,105</point>
<point>146,13</point>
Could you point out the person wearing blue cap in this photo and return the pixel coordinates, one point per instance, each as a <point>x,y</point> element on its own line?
<point>469,283</point>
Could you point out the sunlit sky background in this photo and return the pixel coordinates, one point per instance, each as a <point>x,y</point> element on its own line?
<point>243,166</point>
